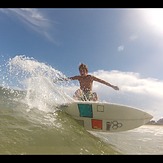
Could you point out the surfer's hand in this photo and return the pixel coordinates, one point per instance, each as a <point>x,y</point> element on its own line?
<point>115,87</point>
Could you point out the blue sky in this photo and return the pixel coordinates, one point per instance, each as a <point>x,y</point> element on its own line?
<point>107,38</point>
<point>120,45</point>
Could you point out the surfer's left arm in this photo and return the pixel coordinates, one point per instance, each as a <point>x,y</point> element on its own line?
<point>106,83</point>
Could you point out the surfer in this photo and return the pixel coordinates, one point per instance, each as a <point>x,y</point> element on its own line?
<point>86,82</point>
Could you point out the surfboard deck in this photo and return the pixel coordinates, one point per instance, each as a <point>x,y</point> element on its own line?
<point>106,117</point>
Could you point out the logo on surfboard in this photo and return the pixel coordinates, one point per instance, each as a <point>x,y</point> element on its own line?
<point>113,125</point>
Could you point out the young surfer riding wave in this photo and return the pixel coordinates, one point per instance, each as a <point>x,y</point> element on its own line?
<point>85,92</point>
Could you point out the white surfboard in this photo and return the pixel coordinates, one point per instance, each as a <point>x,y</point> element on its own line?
<point>106,117</point>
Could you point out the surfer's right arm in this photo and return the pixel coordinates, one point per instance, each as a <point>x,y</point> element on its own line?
<point>60,79</point>
<point>66,79</point>
<point>74,78</point>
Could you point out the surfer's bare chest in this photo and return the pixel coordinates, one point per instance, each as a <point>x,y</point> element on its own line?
<point>86,82</point>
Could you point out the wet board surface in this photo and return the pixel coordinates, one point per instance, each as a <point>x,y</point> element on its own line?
<point>106,117</point>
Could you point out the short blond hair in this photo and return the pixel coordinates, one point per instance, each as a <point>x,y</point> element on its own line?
<point>83,66</point>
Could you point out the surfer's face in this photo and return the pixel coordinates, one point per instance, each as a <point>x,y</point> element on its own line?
<point>83,72</point>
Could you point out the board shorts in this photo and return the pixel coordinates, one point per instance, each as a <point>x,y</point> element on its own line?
<point>85,95</point>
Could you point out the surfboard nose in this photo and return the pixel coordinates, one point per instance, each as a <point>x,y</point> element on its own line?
<point>147,117</point>
<point>150,116</point>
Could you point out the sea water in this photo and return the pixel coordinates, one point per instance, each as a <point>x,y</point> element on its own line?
<point>147,139</point>
<point>31,123</point>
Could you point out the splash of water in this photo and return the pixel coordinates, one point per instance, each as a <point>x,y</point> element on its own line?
<point>37,79</point>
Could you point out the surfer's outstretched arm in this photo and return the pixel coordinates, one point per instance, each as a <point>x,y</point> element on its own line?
<point>60,79</point>
<point>104,82</point>
<point>66,78</point>
<point>74,77</point>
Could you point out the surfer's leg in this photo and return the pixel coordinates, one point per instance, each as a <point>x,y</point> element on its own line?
<point>95,97</point>
<point>91,96</point>
<point>78,95</point>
